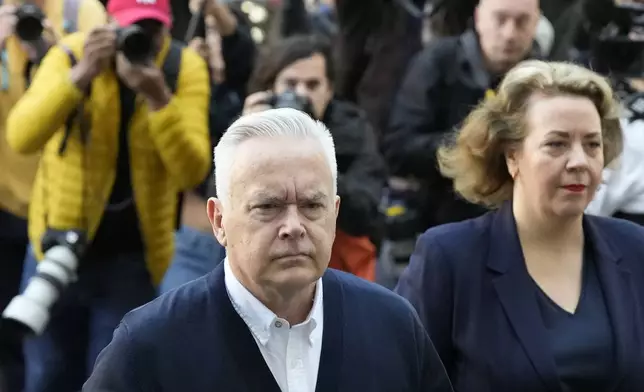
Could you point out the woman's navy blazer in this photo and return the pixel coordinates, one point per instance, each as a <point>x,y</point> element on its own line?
<point>469,283</point>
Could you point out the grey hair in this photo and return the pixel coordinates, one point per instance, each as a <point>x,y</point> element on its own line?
<point>269,124</point>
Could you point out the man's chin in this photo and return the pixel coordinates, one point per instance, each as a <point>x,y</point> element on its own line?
<point>296,277</point>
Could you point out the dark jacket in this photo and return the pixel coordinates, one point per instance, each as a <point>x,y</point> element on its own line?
<point>192,339</point>
<point>443,84</point>
<point>376,41</point>
<point>470,285</point>
<point>238,51</point>
<point>361,169</point>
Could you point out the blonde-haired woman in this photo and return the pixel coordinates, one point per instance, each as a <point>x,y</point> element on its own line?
<point>534,296</point>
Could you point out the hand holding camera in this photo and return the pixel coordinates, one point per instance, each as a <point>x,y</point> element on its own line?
<point>258,102</point>
<point>8,21</point>
<point>144,79</point>
<point>98,52</point>
<point>264,100</point>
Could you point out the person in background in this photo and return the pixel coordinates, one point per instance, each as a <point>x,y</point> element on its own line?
<point>18,62</point>
<point>272,317</point>
<point>442,85</point>
<point>230,52</point>
<point>143,140</point>
<point>536,296</point>
<point>621,193</point>
<point>299,18</point>
<point>299,72</point>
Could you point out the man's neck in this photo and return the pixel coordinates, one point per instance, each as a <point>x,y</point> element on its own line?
<point>291,304</point>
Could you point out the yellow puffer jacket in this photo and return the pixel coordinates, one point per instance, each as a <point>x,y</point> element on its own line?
<point>169,150</point>
<point>17,171</point>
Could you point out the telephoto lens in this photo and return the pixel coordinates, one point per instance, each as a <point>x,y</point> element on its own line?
<point>135,44</point>
<point>28,313</point>
<point>29,26</point>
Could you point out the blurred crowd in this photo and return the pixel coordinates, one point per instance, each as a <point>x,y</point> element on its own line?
<point>109,112</point>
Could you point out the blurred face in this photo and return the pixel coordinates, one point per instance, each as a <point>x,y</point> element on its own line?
<point>279,227</point>
<point>506,30</point>
<point>559,166</point>
<point>156,30</point>
<point>307,78</point>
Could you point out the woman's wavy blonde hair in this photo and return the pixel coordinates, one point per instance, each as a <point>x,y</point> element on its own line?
<point>475,159</point>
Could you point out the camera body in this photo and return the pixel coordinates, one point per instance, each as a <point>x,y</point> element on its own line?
<point>289,99</point>
<point>29,26</point>
<point>135,44</point>
<point>29,311</point>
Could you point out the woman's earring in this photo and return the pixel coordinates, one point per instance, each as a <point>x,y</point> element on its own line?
<point>513,174</point>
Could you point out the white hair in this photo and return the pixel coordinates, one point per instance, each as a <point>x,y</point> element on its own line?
<point>271,123</point>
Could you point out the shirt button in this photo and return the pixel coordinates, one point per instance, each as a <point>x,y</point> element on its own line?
<point>278,324</point>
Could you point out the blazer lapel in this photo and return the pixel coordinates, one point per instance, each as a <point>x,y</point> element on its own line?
<point>332,335</point>
<point>518,296</point>
<point>241,347</point>
<point>618,294</point>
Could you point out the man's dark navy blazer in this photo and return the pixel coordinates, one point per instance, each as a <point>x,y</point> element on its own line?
<point>469,283</point>
<point>192,339</point>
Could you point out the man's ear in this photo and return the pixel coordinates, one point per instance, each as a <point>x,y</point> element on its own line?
<point>215,212</point>
<point>337,206</point>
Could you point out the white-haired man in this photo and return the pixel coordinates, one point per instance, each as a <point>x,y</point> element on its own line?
<point>272,317</point>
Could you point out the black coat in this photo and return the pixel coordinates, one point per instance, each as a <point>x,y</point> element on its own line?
<point>361,169</point>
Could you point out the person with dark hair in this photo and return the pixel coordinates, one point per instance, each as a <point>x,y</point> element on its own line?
<point>299,72</point>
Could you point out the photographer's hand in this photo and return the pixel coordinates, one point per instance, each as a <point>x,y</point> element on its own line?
<point>8,22</point>
<point>146,80</point>
<point>98,53</point>
<point>38,49</point>
<point>257,102</point>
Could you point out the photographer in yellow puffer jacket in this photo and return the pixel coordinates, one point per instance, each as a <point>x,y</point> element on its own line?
<point>122,116</point>
<point>19,58</point>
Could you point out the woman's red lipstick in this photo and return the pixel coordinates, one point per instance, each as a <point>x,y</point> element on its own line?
<point>575,187</point>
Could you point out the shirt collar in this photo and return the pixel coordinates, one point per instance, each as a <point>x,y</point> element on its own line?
<point>259,318</point>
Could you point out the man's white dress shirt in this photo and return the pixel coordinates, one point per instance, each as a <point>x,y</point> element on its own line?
<point>292,353</point>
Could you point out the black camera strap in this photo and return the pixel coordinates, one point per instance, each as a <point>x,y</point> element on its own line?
<point>77,116</point>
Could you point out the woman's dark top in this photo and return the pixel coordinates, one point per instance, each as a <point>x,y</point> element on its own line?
<point>582,342</point>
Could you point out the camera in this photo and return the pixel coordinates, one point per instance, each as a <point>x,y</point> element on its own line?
<point>289,99</point>
<point>29,26</point>
<point>617,49</point>
<point>29,311</point>
<point>135,44</point>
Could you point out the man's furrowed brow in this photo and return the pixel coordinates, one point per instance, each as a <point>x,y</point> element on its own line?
<point>264,196</point>
<point>316,197</point>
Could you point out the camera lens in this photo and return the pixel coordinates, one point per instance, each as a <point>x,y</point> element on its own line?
<point>135,44</point>
<point>290,99</point>
<point>29,26</point>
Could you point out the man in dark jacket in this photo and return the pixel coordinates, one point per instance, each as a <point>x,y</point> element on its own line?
<point>444,82</point>
<point>298,72</point>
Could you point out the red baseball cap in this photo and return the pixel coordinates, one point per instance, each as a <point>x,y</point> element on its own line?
<point>127,12</point>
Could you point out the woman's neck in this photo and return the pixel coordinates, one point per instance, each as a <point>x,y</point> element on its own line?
<point>537,229</point>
